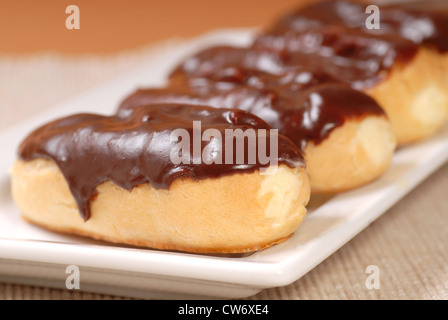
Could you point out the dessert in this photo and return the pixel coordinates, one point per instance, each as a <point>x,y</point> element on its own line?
<point>403,65</point>
<point>113,178</point>
<point>319,84</point>
<point>345,136</point>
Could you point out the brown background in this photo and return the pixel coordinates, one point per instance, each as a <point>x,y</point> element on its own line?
<point>29,26</point>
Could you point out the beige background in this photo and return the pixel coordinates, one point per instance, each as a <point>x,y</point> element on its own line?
<point>42,65</point>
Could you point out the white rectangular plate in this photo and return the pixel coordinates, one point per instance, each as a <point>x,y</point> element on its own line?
<point>31,255</point>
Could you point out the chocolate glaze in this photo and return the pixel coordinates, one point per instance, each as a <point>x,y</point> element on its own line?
<point>332,36</point>
<point>297,76</point>
<point>133,148</point>
<point>303,104</point>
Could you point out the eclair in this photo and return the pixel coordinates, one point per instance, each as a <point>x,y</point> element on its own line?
<point>402,62</point>
<point>172,177</point>
<point>345,136</point>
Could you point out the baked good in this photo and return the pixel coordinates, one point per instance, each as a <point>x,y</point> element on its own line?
<point>345,136</point>
<point>340,95</point>
<point>403,65</point>
<point>123,179</point>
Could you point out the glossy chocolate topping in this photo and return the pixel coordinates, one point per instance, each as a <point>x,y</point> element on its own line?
<point>298,77</point>
<point>133,147</point>
<point>333,35</point>
<point>303,104</point>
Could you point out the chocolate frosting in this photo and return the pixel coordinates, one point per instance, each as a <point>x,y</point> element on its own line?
<point>332,35</point>
<point>303,104</point>
<point>133,148</point>
<point>299,76</point>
